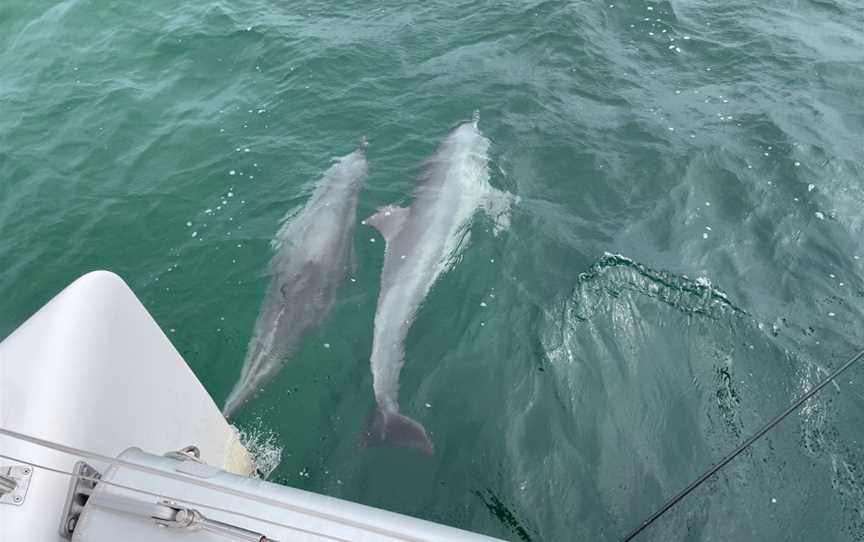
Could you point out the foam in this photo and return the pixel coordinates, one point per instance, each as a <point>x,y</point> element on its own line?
<point>263,447</point>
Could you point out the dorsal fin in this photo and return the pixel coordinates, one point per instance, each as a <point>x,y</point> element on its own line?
<point>388,220</point>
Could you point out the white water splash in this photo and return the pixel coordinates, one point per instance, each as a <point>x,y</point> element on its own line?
<point>263,447</point>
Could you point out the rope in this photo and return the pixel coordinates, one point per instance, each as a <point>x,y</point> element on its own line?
<point>746,444</point>
<point>169,498</point>
<point>202,483</point>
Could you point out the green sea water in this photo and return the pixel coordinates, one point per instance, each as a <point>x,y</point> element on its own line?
<point>684,260</point>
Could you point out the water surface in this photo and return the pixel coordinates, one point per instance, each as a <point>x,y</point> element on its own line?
<point>713,150</point>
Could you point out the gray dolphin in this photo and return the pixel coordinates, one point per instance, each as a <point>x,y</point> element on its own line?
<point>423,241</point>
<point>311,256</point>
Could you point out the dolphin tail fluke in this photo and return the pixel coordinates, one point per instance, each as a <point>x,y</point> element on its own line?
<point>394,429</point>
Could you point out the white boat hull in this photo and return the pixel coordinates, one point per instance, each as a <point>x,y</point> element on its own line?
<point>92,374</point>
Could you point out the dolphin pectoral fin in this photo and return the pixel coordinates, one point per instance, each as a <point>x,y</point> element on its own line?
<point>394,429</point>
<point>497,205</point>
<point>388,220</point>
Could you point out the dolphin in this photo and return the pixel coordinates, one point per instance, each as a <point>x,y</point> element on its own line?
<point>311,256</point>
<point>423,241</point>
